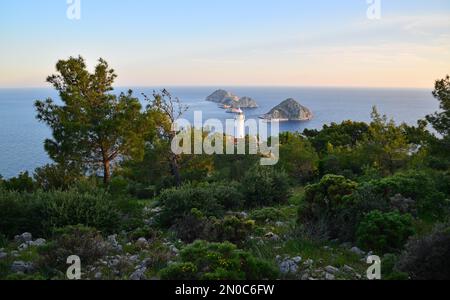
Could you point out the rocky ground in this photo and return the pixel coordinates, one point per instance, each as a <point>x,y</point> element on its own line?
<point>131,257</point>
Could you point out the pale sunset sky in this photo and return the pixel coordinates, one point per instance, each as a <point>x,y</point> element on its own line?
<point>231,43</point>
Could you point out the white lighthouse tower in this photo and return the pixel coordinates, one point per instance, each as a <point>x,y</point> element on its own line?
<point>240,125</point>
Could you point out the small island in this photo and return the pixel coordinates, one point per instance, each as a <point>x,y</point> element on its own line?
<point>289,110</point>
<point>229,100</point>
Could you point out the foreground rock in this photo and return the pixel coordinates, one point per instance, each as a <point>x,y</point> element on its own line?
<point>289,265</point>
<point>23,238</point>
<point>357,251</point>
<point>22,267</point>
<point>289,110</point>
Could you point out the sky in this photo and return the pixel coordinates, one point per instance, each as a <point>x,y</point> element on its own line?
<point>230,42</point>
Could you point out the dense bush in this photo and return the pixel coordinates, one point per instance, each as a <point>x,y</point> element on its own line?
<point>227,194</point>
<point>265,186</point>
<point>21,183</point>
<point>384,232</point>
<point>334,207</point>
<point>389,270</point>
<point>423,187</point>
<point>59,209</point>
<point>427,258</point>
<point>197,227</point>
<point>18,213</point>
<point>231,228</point>
<point>209,199</point>
<point>40,212</point>
<point>85,242</point>
<point>56,177</point>
<point>298,157</point>
<point>118,186</point>
<point>266,214</point>
<point>190,227</point>
<point>204,261</point>
<point>3,240</point>
<point>324,205</point>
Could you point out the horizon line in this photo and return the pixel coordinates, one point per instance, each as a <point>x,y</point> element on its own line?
<point>219,86</point>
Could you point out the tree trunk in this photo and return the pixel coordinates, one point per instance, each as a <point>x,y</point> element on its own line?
<point>175,169</point>
<point>106,171</point>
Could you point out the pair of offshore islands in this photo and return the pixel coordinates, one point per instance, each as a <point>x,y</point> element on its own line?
<point>288,110</point>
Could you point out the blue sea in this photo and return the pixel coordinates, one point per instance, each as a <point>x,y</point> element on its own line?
<point>22,136</point>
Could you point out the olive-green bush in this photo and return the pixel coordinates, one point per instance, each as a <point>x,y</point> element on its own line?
<point>205,261</point>
<point>19,213</point>
<point>56,177</point>
<point>265,186</point>
<point>427,257</point>
<point>324,206</point>
<point>423,187</point>
<point>384,232</point>
<point>84,242</point>
<point>59,209</point>
<point>22,183</point>
<point>40,212</point>
<point>195,226</point>
<point>210,199</point>
<point>266,214</point>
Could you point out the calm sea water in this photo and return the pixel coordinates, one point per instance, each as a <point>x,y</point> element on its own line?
<point>22,136</point>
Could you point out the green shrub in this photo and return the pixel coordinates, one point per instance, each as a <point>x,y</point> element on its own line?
<point>227,194</point>
<point>388,268</point>
<point>40,212</point>
<point>84,242</point>
<point>209,199</point>
<point>21,183</point>
<point>59,209</point>
<point>298,157</point>
<point>197,227</point>
<point>205,261</point>
<point>427,258</point>
<point>423,187</point>
<point>231,228</point>
<point>325,206</point>
<point>268,213</point>
<point>18,213</point>
<point>190,227</point>
<point>56,177</point>
<point>265,186</point>
<point>131,213</point>
<point>3,240</point>
<point>357,205</point>
<point>142,191</point>
<point>384,232</point>
<point>118,186</point>
<point>146,232</point>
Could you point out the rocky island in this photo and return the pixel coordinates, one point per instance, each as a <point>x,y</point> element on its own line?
<point>222,97</point>
<point>247,102</point>
<point>229,99</point>
<point>289,110</point>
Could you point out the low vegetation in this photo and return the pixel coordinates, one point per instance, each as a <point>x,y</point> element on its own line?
<point>338,195</point>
